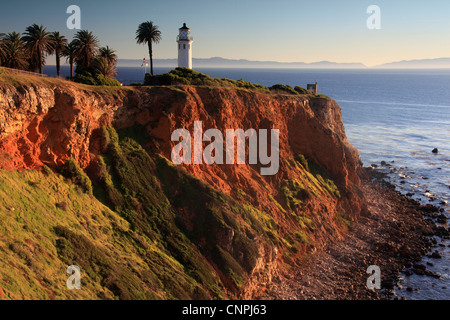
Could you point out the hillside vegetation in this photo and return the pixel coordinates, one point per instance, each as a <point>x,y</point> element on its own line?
<point>185,76</point>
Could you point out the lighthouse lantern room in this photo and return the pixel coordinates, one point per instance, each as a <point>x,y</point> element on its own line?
<point>185,41</point>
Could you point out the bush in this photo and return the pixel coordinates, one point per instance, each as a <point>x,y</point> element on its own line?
<point>185,76</point>
<point>322,176</point>
<point>165,79</point>
<point>86,78</point>
<point>294,193</point>
<point>73,171</point>
<point>301,90</point>
<point>89,77</point>
<point>281,87</point>
<point>302,160</point>
<point>179,76</point>
<point>101,80</point>
<point>192,76</point>
<point>242,84</point>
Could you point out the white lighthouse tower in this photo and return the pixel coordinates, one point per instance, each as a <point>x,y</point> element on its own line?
<point>184,41</point>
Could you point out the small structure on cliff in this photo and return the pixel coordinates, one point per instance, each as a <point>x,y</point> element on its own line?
<point>312,88</point>
<point>185,41</point>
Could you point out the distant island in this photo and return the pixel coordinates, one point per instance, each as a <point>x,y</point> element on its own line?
<point>418,64</point>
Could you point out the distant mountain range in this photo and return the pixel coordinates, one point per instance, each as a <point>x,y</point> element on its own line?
<point>217,62</point>
<point>418,64</point>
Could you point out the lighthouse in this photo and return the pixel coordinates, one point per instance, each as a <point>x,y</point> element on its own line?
<point>184,41</point>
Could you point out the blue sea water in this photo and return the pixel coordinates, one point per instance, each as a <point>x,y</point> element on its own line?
<point>396,116</point>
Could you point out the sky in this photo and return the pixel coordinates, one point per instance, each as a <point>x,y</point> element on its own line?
<point>262,30</point>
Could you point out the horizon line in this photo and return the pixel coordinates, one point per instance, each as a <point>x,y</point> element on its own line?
<point>307,65</point>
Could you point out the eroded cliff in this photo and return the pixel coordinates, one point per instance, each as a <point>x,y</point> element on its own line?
<point>230,229</point>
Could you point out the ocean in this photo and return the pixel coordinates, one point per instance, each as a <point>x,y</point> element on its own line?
<point>392,116</point>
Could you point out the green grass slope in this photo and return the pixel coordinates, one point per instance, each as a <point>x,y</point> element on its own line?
<point>137,226</point>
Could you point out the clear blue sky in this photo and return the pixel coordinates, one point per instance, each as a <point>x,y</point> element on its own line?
<point>276,30</point>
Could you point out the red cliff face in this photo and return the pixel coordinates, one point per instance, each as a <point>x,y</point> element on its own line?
<point>47,124</point>
<point>51,124</point>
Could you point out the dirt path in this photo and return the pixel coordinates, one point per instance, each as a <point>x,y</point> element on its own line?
<point>393,235</point>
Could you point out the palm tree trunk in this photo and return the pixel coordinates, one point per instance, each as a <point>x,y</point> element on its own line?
<point>86,61</point>
<point>40,61</point>
<point>58,65</point>
<point>71,68</point>
<point>150,52</point>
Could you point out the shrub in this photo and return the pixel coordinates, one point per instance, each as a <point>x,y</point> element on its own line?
<point>102,80</point>
<point>89,77</point>
<point>179,76</point>
<point>73,171</point>
<point>185,76</point>
<point>322,176</point>
<point>166,79</point>
<point>248,85</point>
<point>301,90</point>
<point>302,160</point>
<point>192,76</point>
<point>86,78</point>
<point>302,237</point>
<point>294,193</point>
<point>281,87</point>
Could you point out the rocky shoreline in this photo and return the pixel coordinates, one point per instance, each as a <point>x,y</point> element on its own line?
<point>394,234</point>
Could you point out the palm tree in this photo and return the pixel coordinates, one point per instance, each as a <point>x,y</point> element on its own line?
<point>105,62</point>
<point>38,43</point>
<point>147,33</point>
<point>86,48</point>
<point>2,50</point>
<point>59,43</point>
<point>102,66</point>
<point>14,53</point>
<point>109,54</point>
<point>70,54</point>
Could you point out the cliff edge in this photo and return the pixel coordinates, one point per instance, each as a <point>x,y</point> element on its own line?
<point>151,229</point>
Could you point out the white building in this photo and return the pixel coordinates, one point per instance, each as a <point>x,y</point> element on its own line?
<point>185,41</point>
